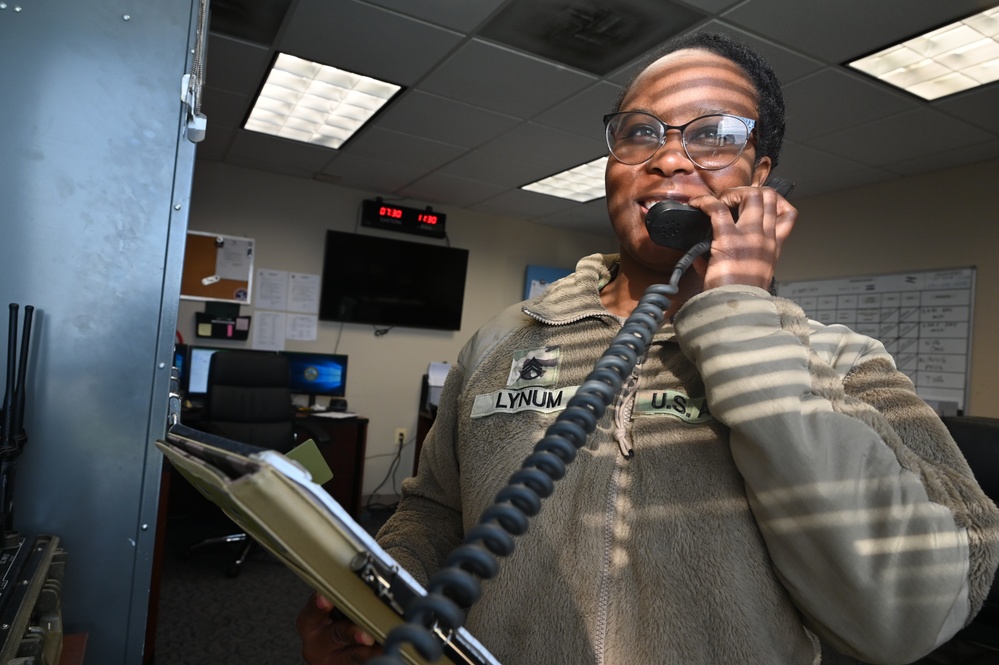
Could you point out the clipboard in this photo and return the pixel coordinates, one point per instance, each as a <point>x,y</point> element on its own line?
<point>275,500</point>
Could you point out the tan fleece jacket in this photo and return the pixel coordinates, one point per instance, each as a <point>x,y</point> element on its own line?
<point>786,482</point>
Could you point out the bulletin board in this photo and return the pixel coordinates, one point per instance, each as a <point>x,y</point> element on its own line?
<point>217,267</point>
<point>924,319</point>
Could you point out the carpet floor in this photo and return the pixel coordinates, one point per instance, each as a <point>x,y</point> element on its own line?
<point>208,618</point>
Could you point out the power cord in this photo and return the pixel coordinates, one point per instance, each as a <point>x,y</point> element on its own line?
<point>456,585</point>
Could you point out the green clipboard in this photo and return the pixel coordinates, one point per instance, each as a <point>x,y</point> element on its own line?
<point>275,500</point>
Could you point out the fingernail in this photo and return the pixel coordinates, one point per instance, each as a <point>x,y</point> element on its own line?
<point>323,603</point>
<point>363,638</point>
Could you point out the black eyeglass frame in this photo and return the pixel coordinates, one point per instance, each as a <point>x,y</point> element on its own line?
<point>748,122</point>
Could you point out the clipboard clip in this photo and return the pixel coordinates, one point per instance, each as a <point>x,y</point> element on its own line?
<point>380,579</point>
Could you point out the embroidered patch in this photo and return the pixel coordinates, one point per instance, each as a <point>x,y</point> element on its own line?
<point>541,400</point>
<point>672,403</point>
<point>536,367</point>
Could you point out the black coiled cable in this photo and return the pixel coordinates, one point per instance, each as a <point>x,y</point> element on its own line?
<point>456,585</point>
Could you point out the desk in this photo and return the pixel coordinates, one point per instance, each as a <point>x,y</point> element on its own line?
<point>345,456</point>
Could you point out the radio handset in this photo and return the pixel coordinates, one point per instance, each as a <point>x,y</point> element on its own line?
<point>680,226</point>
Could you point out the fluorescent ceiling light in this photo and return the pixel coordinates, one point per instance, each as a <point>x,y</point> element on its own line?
<point>306,101</point>
<point>953,58</point>
<point>583,183</point>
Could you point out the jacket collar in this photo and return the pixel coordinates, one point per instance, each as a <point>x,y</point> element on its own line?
<point>576,296</point>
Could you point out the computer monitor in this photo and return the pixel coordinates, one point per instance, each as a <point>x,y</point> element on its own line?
<point>195,377</point>
<point>315,374</point>
<point>311,374</point>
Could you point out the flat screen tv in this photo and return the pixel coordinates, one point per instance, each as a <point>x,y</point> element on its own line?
<point>387,282</point>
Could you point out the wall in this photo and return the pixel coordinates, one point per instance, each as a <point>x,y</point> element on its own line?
<point>95,182</point>
<point>837,235</point>
<point>943,219</point>
<point>288,218</point>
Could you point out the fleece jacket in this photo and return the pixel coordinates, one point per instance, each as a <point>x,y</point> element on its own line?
<point>764,485</point>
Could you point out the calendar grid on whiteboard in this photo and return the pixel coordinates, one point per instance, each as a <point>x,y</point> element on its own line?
<point>924,318</point>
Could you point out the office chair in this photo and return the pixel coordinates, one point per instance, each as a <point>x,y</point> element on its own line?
<point>978,642</point>
<point>249,400</point>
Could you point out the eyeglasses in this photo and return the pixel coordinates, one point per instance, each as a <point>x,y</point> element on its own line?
<point>711,141</point>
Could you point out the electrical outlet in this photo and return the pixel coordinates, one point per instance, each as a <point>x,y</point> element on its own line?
<point>400,437</point>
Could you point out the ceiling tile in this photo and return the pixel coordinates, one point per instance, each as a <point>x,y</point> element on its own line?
<point>386,145</point>
<point>814,171</point>
<point>589,36</point>
<point>590,217</point>
<point>521,203</point>
<point>582,114</point>
<point>968,154</point>
<point>977,107</point>
<point>546,146</point>
<point>234,65</point>
<point>901,137</point>
<point>811,115</point>
<point>460,15</point>
<point>508,171</point>
<point>439,119</point>
<point>366,173</point>
<point>841,30</point>
<point>387,46</point>
<point>271,153</point>
<point>222,108</point>
<point>449,190</point>
<point>216,143</point>
<point>507,82</point>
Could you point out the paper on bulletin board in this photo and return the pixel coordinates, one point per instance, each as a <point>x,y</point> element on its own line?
<point>233,260</point>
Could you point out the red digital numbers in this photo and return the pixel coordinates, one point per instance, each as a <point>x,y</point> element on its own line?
<point>394,213</point>
<point>426,218</point>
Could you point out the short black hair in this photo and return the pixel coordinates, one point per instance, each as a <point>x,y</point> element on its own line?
<point>769,95</point>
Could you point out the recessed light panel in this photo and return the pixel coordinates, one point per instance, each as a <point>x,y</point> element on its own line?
<point>306,101</point>
<point>953,58</point>
<point>583,183</point>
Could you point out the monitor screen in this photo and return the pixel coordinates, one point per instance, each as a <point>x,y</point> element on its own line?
<point>387,282</point>
<point>195,377</point>
<point>311,373</point>
<point>317,373</point>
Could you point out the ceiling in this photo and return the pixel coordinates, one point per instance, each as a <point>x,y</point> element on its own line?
<point>500,93</point>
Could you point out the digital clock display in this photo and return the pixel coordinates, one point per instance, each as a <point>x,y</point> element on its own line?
<point>391,213</point>
<point>378,214</point>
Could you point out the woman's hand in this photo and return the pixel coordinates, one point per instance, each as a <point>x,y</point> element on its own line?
<point>746,251</point>
<point>330,639</point>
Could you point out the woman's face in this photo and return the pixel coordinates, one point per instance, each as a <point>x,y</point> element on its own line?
<point>676,89</point>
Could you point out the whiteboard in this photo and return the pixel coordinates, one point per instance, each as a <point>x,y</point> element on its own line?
<point>924,319</point>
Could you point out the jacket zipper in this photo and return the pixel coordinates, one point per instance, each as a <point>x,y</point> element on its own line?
<point>604,590</point>
<point>564,322</point>
<point>622,414</point>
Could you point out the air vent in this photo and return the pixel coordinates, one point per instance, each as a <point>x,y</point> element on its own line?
<point>596,36</point>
